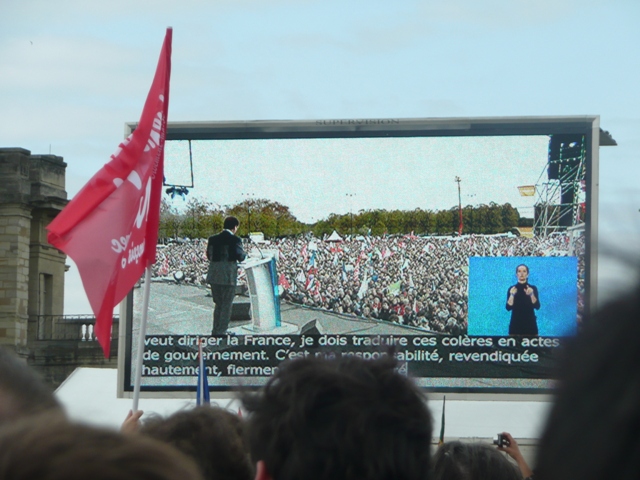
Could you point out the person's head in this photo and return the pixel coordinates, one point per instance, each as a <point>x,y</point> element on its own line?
<point>211,436</point>
<point>522,273</point>
<point>45,449</point>
<point>231,223</point>
<point>593,430</point>
<point>472,461</point>
<point>345,418</point>
<point>22,392</point>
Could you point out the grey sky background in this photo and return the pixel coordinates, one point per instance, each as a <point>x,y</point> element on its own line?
<point>73,72</point>
<point>317,177</point>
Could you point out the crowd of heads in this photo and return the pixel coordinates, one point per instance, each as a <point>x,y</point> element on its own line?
<point>342,418</point>
<point>37,441</point>
<point>419,282</point>
<point>54,449</point>
<point>316,418</point>
<point>186,257</point>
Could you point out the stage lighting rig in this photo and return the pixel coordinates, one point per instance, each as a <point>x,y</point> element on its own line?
<point>174,190</point>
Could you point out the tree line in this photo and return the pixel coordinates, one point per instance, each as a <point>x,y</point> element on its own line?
<point>201,219</point>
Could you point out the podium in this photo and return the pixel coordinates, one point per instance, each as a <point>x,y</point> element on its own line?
<point>262,280</point>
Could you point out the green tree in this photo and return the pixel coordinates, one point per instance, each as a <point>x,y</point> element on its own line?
<point>394,222</point>
<point>170,225</point>
<point>494,220</point>
<point>195,211</point>
<point>444,222</point>
<point>481,217</point>
<point>262,215</point>
<point>510,217</point>
<point>426,221</point>
<point>469,220</point>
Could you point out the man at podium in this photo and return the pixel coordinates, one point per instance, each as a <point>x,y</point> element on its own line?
<point>224,251</point>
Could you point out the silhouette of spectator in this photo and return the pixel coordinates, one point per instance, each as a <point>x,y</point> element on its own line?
<point>43,448</point>
<point>211,436</point>
<point>593,430</point>
<point>22,392</point>
<point>339,419</point>
<point>472,461</point>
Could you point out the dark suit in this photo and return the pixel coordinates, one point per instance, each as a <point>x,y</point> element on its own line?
<point>224,251</point>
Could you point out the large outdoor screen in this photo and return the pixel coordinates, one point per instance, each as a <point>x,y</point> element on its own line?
<point>460,246</point>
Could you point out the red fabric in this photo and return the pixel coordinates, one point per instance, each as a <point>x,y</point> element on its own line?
<point>284,282</point>
<point>110,228</point>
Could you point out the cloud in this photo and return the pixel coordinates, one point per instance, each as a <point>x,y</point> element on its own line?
<point>77,64</point>
<point>367,30</point>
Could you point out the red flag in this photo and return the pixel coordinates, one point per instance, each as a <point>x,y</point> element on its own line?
<point>284,282</point>
<point>110,228</point>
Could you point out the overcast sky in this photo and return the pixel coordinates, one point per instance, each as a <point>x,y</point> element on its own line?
<point>318,177</point>
<point>73,72</point>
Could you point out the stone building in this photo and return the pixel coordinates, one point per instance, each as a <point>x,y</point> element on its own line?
<point>32,321</point>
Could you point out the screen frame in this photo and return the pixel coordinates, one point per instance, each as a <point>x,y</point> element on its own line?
<point>587,125</point>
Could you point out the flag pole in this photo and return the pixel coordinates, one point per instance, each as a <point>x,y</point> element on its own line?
<point>141,336</point>
<point>441,440</point>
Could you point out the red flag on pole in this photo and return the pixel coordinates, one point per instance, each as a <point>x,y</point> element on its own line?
<point>110,228</point>
<point>282,280</point>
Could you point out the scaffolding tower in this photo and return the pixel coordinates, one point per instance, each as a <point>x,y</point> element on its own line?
<point>560,197</point>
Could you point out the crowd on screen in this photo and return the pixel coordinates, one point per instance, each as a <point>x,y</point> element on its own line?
<point>421,282</point>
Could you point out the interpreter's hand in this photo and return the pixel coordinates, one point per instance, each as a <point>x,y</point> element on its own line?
<point>513,290</point>
<point>131,424</point>
<point>528,290</point>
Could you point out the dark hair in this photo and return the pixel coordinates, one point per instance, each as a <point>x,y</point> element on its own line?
<point>40,448</point>
<point>593,430</point>
<point>230,223</point>
<point>522,265</point>
<point>22,392</point>
<point>472,461</point>
<point>340,419</point>
<point>212,436</point>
